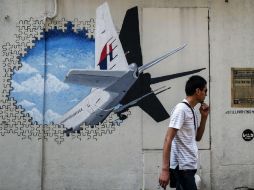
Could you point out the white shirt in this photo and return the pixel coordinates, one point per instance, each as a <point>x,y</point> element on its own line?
<point>184,151</point>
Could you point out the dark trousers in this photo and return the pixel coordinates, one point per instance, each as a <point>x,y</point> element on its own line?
<point>184,179</point>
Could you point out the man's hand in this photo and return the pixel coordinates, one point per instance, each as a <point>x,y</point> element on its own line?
<point>164,178</point>
<point>204,110</point>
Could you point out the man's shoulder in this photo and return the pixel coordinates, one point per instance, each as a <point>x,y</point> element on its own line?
<point>181,106</point>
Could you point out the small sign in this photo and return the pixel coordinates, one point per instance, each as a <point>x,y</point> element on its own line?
<point>242,90</point>
<point>248,135</point>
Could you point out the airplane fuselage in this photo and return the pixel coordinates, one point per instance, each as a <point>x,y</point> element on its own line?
<point>93,109</point>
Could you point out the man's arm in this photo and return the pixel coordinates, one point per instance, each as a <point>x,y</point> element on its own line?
<point>164,176</point>
<point>204,111</point>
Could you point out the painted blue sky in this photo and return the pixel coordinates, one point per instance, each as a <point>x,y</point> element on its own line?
<point>52,56</point>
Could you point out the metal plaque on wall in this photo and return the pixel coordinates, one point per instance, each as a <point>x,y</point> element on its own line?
<point>242,87</point>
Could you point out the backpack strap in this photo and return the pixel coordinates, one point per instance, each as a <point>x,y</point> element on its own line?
<point>192,113</point>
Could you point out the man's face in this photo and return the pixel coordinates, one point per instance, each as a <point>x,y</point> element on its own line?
<point>201,94</point>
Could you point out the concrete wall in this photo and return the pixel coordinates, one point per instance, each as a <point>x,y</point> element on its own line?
<point>231,40</point>
<point>129,156</point>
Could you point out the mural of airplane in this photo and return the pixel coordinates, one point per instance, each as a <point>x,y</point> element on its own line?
<point>118,81</point>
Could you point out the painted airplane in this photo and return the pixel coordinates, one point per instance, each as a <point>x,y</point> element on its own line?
<point>118,81</point>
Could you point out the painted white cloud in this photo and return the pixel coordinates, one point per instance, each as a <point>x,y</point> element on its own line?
<point>62,66</point>
<point>58,56</point>
<point>27,69</point>
<point>90,67</point>
<point>26,103</point>
<point>75,100</point>
<point>17,87</point>
<point>35,85</point>
<point>51,116</point>
<point>55,85</point>
<point>38,59</point>
<point>36,114</point>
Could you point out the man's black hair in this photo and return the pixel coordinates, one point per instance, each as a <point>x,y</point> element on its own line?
<point>193,83</point>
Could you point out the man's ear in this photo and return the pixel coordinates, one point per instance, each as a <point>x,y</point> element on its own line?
<point>197,91</point>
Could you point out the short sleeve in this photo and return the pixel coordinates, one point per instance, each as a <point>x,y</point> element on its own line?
<point>177,118</point>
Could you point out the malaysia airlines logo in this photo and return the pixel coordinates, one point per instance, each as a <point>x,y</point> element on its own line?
<point>107,54</point>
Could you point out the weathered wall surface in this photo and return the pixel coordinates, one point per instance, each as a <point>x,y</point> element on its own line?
<point>128,156</point>
<point>231,40</point>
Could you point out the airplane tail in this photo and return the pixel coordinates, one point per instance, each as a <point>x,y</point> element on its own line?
<point>109,54</point>
<point>130,37</point>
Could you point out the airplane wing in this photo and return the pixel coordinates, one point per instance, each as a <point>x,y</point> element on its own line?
<point>153,107</point>
<point>134,102</point>
<point>109,54</point>
<point>173,76</point>
<point>93,78</point>
<point>157,60</point>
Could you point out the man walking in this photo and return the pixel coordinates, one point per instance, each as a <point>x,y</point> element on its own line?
<point>180,152</point>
